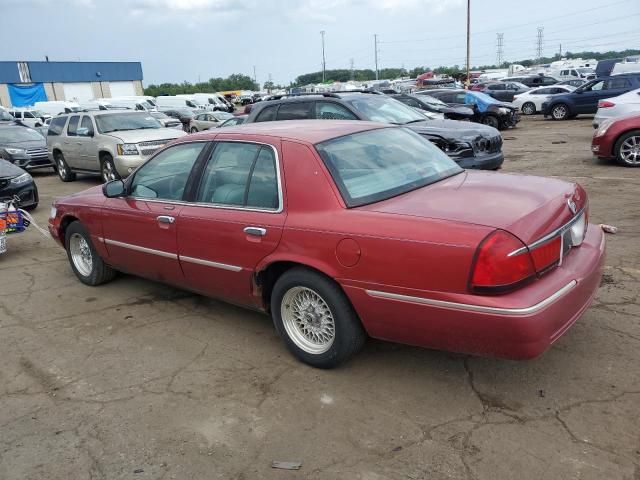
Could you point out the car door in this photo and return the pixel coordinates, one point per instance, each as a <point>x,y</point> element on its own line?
<point>70,147</point>
<point>140,230</point>
<point>236,219</point>
<point>499,92</point>
<point>586,99</point>
<point>86,145</point>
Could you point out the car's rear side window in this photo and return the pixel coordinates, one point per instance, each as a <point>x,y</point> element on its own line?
<point>295,111</point>
<point>267,114</point>
<point>73,125</point>
<point>56,126</point>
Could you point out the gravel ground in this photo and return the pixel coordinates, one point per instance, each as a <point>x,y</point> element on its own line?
<point>135,380</point>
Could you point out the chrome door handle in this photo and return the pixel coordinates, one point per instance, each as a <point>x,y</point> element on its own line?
<point>256,231</point>
<point>165,219</point>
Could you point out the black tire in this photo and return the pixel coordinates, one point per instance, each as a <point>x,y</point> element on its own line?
<point>560,111</point>
<point>108,170</point>
<point>99,272</point>
<point>193,130</point>
<point>491,121</point>
<point>349,336</point>
<point>632,137</point>
<point>528,108</point>
<point>64,172</point>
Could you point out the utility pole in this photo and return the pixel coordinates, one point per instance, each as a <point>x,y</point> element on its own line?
<point>375,45</point>
<point>560,51</point>
<point>468,80</point>
<point>324,65</point>
<point>351,66</point>
<point>499,57</point>
<point>254,75</point>
<point>540,43</point>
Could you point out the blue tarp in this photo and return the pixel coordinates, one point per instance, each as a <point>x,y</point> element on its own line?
<point>26,95</point>
<point>481,100</point>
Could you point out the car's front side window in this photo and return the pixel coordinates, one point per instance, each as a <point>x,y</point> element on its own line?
<point>56,126</point>
<point>333,111</point>
<point>165,176</point>
<point>73,125</point>
<point>267,114</point>
<point>240,174</point>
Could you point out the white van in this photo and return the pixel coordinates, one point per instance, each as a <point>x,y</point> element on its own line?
<point>211,100</point>
<point>134,103</point>
<point>57,107</point>
<point>179,101</point>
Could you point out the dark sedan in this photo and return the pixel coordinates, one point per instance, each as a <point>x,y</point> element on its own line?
<point>24,147</point>
<point>428,103</point>
<point>15,183</point>
<point>502,91</point>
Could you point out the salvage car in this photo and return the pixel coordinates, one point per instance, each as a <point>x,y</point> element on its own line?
<point>396,253</point>
<point>620,106</point>
<point>24,147</point>
<point>205,121</point>
<point>487,110</point>
<point>16,184</point>
<point>166,120</point>
<point>471,146</point>
<point>530,102</point>
<point>619,139</point>
<point>109,143</point>
<point>433,105</point>
<point>502,91</point>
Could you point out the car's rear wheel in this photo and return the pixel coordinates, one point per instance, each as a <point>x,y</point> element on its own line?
<point>85,261</point>
<point>528,108</point>
<point>560,112</point>
<point>108,170</point>
<point>491,121</point>
<point>194,130</point>
<point>64,172</point>
<point>315,318</point>
<point>627,149</point>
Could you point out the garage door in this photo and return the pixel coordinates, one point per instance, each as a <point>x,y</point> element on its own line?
<point>122,89</point>
<point>78,92</point>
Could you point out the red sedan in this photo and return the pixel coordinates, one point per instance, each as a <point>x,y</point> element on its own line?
<point>346,229</point>
<point>619,139</point>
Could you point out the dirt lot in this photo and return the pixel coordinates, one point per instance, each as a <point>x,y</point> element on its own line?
<point>135,380</point>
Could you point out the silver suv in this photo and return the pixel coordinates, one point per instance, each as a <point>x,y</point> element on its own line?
<point>111,143</point>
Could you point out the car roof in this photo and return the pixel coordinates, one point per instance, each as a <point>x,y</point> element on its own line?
<point>309,131</point>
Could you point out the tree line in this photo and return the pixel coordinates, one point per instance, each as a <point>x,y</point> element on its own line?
<point>237,81</point>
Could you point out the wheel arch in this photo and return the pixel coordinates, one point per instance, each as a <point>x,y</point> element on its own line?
<point>67,220</point>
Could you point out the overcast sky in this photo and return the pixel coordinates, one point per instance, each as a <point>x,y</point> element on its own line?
<point>180,40</point>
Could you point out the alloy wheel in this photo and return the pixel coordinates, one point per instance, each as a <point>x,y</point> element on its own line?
<point>81,254</point>
<point>62,167</point>
<point>528,108</point>
<point>308,320</point>
<point>630,150</point>
<point>560,112</point>
<point>108,171</point>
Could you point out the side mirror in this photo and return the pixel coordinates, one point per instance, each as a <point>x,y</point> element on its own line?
<point>114,189</point>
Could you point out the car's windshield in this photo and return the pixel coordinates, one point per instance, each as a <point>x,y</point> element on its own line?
<point>5,116</point>
<point>519,85</point>
<point>433,101</point>
<point>379,108</point>
<point>19,134</point>
<point>379,164</point>
<point>125,121</point>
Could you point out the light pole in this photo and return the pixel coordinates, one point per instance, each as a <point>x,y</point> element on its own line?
<point>468,80</point>
<point>324,65</point>
<point>375,45</point>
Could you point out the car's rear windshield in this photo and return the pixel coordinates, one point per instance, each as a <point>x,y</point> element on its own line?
<point>379,164</point>
<point>117,122</point>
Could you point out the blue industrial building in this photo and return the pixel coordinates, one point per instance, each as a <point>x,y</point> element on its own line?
<point>24,83</point>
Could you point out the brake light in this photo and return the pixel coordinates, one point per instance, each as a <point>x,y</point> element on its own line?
<point>605,104</point>
<point>547,254</point>
<point>502,263</point>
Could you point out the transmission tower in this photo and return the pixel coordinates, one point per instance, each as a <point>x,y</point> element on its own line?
<point>539,49</point>
<point>351,68</point>
<point>500,51</point>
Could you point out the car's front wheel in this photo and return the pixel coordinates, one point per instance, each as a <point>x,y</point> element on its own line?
<point>108,170</point>
<point>528,108</point>
<point>560,112</point>
<point>64,172</point>
<point>315,318</point>
<point>491,121</point>
<point>83,257</point>
<point>194,130</point>
<point>627,149</point>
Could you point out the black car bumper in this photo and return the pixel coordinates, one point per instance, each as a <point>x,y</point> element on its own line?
<point>27,193</point>
<point>490,161</point>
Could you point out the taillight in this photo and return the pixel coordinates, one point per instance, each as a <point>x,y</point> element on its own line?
<point>605,104</point>
<point>547,254</point>
<point>502,263</point>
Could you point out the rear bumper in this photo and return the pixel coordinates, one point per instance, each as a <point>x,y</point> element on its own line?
<point>519,325</point>
<point>482,162</point>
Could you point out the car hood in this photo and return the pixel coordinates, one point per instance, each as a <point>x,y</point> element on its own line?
<point>527,206</point>
<point>466,111</point>
<point>28,144</point>
<point>453,129</point>
<point>137,136</point>
<point>9,170</point>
